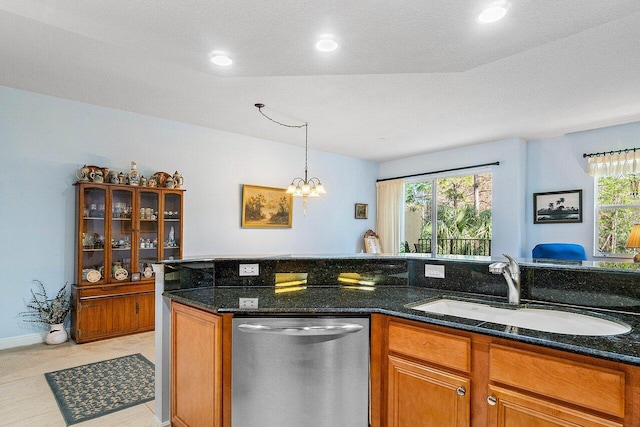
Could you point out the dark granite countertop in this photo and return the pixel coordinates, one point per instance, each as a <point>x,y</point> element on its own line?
<point>391,300</point>
<point>624,266</point>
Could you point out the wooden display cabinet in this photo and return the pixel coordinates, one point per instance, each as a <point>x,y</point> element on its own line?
<point>121,231</point>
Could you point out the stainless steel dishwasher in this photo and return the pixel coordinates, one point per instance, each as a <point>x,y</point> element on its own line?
<point>300,372</point>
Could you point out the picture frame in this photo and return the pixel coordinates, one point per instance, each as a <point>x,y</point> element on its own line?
<point>361,211</point>
<point>266,207</point>
<point>557,207</point>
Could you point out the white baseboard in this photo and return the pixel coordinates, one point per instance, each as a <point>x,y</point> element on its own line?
<point>158,423</point>
<point>21,340</point>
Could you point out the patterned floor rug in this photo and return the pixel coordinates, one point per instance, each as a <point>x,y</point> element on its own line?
<point>93,390</point>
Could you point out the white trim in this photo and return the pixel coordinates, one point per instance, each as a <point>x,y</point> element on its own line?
<point>22,340</point>
<point>158,423</point>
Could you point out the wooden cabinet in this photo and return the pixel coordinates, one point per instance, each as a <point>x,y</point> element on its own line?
<point>427,379</point>
<point>121,231</point>
<point>551,391</point>
<point>104,317</point>
<point>512,408</point>
<point>424,396</point>
<point>196,367</point>
<point>433,375</point>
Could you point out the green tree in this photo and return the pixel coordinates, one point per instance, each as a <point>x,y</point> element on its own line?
<point>463,211</point>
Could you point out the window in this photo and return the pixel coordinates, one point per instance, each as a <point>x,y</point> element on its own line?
<point>617,210</point>
<point>455,209</point>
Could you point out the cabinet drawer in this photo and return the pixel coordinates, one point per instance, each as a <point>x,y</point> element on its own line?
<point>446,350</point>
<point>102,291</point>
<point>578,383</point>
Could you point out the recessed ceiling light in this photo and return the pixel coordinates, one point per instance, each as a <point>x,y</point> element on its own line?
<point>326,44</point>
<point>492,14</point>
<point>222,60</point>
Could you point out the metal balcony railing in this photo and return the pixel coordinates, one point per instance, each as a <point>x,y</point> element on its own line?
<point>480,247</point>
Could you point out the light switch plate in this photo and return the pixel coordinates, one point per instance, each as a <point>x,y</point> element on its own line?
<point>432,270</point>
<point>248,303</point>
<point>249,270</point>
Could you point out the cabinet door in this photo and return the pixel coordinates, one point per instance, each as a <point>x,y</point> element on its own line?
<point>91,234</point>
<point>172,225</point>
<point>145,310</point>
<point>122,238</point>
<point>512,409</point>
<point>148,239</point>
<point>196,367</point>
<point>423,396</point>
<point>91,319</point>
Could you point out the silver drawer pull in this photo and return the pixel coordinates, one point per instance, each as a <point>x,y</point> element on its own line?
<point>461,391</point>
<point>306,330</point>
<point>491,400</point>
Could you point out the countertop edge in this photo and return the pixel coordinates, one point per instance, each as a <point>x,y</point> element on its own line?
<point>419,317</point>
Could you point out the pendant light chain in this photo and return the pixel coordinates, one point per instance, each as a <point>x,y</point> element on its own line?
<point>307,187</point>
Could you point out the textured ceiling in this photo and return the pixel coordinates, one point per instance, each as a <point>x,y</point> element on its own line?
<point>409,77</point>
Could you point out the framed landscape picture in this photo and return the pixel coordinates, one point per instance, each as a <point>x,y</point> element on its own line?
<point>266,207</point>
<point>557,207</point>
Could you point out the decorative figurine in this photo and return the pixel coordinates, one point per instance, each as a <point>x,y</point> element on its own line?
<point>172,234</point>
<point>83,173</point>
<point>177,179</point>
<point>96,176</point>
<point>134,175</point>
<point>113,177</point>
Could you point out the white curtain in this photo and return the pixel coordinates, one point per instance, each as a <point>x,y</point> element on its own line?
<point>390,213</point>
<point>625,163</point>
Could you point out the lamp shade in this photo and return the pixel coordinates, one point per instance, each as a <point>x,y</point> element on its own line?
<point>634,237</point>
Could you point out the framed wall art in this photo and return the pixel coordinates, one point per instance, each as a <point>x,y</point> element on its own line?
<point>362,211</point>
<point>266,207</point>
<point>557,207</point>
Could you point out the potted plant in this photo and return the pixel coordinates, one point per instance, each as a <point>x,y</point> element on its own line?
<point>49,311</point>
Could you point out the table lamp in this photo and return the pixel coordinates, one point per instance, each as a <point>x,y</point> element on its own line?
<point>634,241</point>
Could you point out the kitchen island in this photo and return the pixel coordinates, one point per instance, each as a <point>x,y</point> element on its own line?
<point>382,286</point>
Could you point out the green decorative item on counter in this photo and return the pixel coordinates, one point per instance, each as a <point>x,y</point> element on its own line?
<point>49,311</point>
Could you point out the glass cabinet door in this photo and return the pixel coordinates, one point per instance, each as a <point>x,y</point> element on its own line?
<point>121,234</point>
<point>149,247</point>
<point>172,217</point>
<point>92,233</point>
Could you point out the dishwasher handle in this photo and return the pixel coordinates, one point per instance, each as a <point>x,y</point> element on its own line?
<point>301,330</point>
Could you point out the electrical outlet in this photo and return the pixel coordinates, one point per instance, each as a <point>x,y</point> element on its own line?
<point>248,303</point>
<point>249,270</point>
<point>431,270</point>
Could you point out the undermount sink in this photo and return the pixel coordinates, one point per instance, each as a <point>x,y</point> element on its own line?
<point>539,319</point>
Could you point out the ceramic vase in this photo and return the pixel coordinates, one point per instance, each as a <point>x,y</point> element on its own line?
<point>57,334</point>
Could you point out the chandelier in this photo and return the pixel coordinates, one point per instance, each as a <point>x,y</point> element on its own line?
<point>304,187</point>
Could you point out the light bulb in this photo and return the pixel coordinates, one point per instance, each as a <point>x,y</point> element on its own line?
<point>221,60</point>
<point>326,45</point>
<point>492,14</point>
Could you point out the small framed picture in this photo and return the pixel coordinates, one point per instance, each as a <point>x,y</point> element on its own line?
<point>135,277</point>
<point>557,207</point>
<point>362,210</point>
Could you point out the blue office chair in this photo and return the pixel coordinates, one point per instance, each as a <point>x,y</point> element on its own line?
<point>563,251</point>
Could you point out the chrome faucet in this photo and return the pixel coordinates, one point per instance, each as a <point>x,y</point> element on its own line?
<point>511,272</point>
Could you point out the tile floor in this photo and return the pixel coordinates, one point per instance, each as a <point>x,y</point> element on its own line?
<point>27,400</point>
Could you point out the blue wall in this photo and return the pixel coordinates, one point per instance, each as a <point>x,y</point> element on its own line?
<point>45,139</point>
<point>557,164</point>
<point>508,183</point>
